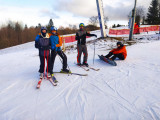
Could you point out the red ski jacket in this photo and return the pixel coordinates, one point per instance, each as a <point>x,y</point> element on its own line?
<point>120,50</point>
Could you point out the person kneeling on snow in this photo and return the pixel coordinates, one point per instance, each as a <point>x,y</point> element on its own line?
<point>42,42</point>
<point>56,43</point>
<point>81,44</point>
<point>120,52</point>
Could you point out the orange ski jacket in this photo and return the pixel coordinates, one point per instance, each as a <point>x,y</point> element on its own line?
<point>121,50</point>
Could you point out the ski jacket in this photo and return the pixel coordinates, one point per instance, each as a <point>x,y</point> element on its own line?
<point>43,44</point>
<point>121,50</point>
<point>56,42</point>
<point>81,37</point>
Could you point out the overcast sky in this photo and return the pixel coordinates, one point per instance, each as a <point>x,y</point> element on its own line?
<point>64,12</point>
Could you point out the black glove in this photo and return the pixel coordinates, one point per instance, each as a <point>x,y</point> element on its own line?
<point>36,45</point>
<point>95,36</point>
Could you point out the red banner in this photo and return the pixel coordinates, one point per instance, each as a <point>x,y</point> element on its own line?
<point>136,31</point>
<point>69,39</point>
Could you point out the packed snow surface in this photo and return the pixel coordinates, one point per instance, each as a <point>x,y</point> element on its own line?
<point>129,91</point>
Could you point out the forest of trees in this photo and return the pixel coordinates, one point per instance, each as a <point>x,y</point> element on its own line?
<point>14,34</point>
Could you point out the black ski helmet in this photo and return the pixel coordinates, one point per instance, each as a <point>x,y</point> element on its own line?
<point>119,43</point>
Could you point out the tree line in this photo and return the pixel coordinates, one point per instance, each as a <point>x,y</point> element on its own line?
<point>14,33</point>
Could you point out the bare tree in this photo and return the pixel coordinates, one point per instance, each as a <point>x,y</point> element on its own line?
<point>93,20</point>
<point>140,14</point>
<point>74,27</point>
<point>106,19</point>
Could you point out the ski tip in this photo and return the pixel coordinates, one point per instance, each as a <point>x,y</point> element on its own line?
<point>85,75</point>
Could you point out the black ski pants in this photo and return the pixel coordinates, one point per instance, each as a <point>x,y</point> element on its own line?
<point>114,56</point>
<point>62,55</point>
<point>42,63</point>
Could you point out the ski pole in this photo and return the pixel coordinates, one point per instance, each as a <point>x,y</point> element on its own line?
<point>44,64</point>
<point>94,53</point>
<point>94,50</point>
<point>47,64</point>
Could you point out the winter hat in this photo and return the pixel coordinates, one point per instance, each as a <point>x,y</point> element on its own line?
<point>119,43</point>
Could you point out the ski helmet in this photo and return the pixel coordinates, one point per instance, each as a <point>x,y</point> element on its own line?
<point>81,25</point>
<point>119,43</point>
<point>53,28</point>
<point>43,28</point>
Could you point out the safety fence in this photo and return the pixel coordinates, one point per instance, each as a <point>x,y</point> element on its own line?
<point>136,31</point>
<point>69,39</point>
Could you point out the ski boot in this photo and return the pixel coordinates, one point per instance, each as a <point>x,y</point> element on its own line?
<point>53,78</point>
<point>79,64</point>
<point>85,64</point>
<point>65,71</point>
<point>49,75</point>
<point>41,75</point>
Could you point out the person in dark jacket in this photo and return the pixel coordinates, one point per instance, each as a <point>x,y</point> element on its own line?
<point>81,45</point>
<point>56,43</point>
<point>42,42</point>
<point>120,52</point>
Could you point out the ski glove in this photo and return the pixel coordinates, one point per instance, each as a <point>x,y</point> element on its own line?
<point>95,36</point>
<point>36,45</point>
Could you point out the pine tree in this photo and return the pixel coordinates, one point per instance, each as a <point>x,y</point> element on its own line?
<point>50,23</point>
<point>153,13</point>
<point>26,27</point>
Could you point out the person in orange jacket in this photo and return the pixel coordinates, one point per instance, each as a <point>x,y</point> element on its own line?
<point>120,52</point>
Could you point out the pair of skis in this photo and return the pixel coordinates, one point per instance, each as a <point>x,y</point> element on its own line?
<point>51,79</point>
<point>87,68</point>
<point>72,73</point>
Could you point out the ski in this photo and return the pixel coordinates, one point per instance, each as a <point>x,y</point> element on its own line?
<point>39,83</point>
<point>83,67</point>
<point>72,73</point>
<point>93,68</point>
<point>51,80</point>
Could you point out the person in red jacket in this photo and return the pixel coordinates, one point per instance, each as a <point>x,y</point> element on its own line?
<point>120,52</point>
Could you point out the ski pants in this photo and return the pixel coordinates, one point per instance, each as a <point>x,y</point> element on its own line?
<point>114,56</point>
<point>62,55</point>
<point>80,49</point>
<point>42,63</point>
